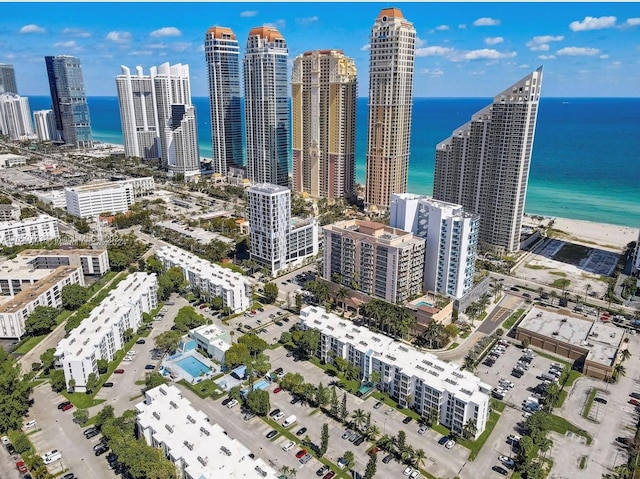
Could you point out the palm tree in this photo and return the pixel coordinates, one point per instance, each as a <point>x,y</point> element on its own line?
<point>554,295</point>
<point>419,456</point>
<point>626,354</point>
<point>385,442</point>
<point>407,454</point>
<point>619,371</point>
<point>341,294</point>
<point>469,364</point>
<point>469,429</point>
<point>373,432</point>
<point>586,291</point>
<point>358,418</point>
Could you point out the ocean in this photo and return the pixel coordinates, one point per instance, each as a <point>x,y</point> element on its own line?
<point>585,163</point>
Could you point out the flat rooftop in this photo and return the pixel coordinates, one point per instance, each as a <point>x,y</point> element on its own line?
<point>20,300</point>
<point>62,252</point>
<point>89,187</point>
<point>602,341</point>
<point>199,234</point>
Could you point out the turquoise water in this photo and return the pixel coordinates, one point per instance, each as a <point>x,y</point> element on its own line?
<point>585,155</point>
<point>423,303</point>
<point>193,366</point>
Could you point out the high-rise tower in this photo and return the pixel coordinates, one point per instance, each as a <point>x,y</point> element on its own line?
<point>391,59</point>
<point>266,107</point>
<point>7,79</point>
<point>15,117</point>
<point>324,91</point>
<point>69,100</point>
<point>222,54</point>
<point>182,141</point>
<point>484,165</point>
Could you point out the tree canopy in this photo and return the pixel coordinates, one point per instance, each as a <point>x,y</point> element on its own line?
<point>236,355</point>
<point>73,296</point>
<point>270,292</point>
<point>41,321</point>
<point>254,343</point>
<point>14,394</point>
<point>258,402</point>
<point>187,319</point>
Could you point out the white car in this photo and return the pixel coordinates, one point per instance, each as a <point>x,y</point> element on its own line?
<point>422,430</point>
<point>450,443</point>
<point>414,474</point>
<point>507,461</point>
<point>278,416</point>
<point>288,446</point>
<point>5,440</point>
<point>51,456</point>
<point>342,463</point>
<point>407,471</point>
<point>232,403</point>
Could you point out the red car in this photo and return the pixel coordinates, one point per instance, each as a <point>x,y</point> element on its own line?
<point>635,402</point>
<point>373,450</point>
<point>277,390</point>
<point>66,407</point>
<point>203,306</point>
<point>119,371</point>
<point>22,467</point>
<point>301,453</point>
<point>329,475</point>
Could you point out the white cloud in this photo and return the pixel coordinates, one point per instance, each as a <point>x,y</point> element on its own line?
<point>139,53</point>
<point>419,42</point>
<point>486,54</point>
<point>523,66</point>
<point>632,22</point>
<point>166,32</point>
<point>604,56</point>
<point>433,51</point>
<point>69,44</point>
<point>578,51</point>
<point>541,43</point>
<point>158,46</point>
<point>307,20</point>
<point>493,40</point>
<point>181,46</point>
<point>546,57</point>
<point>249,13</point>
<point>593,23</point>
<point>442,28</point>
<point>200,48</point>
<point>32,28</point>
<point>76,32</point>
<point>119,37</point>
<point>462,26</point>
<point>365,48</point>
<point>435,72</point>
<point>277,24</point>
<point>616,64</point>
<point>486,22</point>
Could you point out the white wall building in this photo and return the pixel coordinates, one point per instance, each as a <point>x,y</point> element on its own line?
<point>209,279</point>
<point>276,242</point>
<point>101,335</point>
<point>212,340</point>
<point>417,380</point>
<point>93,199</point>
<point>452,239</point>
<point>182,141</point>
<point>55,198</point>
<point>9,212</point>
<point>45,121</point>
<point>199,449</point>
<point>30,230</point>
<point>15,117</point>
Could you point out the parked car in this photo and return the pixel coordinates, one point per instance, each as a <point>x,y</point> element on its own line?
<point>329,475</point>
<point>91,434</point>
<point>306,458</point>
<point>149,366</point>
<point>301,431</point>
<point>66,407</point>
<point>272,434</point>
<point>500,470</point>
<point>443,440</point>
<point>301,453</point>
<point>277,390</point>
<point>377,405</point>
<point>414,474</point>
<point>422,429</point>
<point>140,341</point>
<point>374,450</point>
<point>108,384</point>
<point>358,441</point>
<point>21,466</point>
<point>288,446</point>
<point>407,420</point>
<point>278,416</point>
<point>62,404</point>
<point>322,470</point>
<point>101,450</point>
<point>274,412</point>
<point>388,411</point>
<point>388,458</point>
<point>119,371</point>
<point>232,403</point>
<point>408,470</point>
<point>347,434</point>
<point>635,395</point>
<point>635,402</point>
<point>507,461</point>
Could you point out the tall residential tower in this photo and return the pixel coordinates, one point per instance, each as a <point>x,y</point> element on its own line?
<point>7,79</point>
<point>15,117</point>
<point>391,59</point>
<point>484,165</point>
<point>266,107</point>
<point>69,100</point>
<point>183,152</point>
<point>222,54</point>
<point>324,90</point>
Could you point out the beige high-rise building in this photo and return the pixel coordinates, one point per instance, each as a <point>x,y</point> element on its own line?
<point>391,67</point>
<point>324,92</point>
<point>484,164</point>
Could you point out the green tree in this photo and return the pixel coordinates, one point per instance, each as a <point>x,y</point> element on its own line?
<point>103,365</point>
<point>344,413</point>
<point>309,342</point>
<point>401,441</point>
<point>236,393</point>
<point>349,458</point>
<point>371,468</point>
<point>188,319</point>
<point>254,343</point>
<point>373,432</point>
<point>73,296</point>
<point>270,293</point>
<point>292,382</point>
<point>257,401</point>
<point>323,395</point>
<point>92,382</point>
<point>334,411</point>
<point>81,414</point>
<point>170,281</point>
<point>153,380</point>
<point>341,364</point>
<point>324,439</point>
<point>20,442</point>
<point>57,381</point>
<point>168,341</point>
<point>41,321</point>
<point>48,359</point>
<point>104,415</point>
<point>358,418</point>
<point>236,355</point>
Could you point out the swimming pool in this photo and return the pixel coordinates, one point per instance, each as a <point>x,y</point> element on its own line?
<point>193,366</point>
<point>423,303</point>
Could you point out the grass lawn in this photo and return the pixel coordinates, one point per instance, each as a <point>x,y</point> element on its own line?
<point>476,446</point>
<point>552,357</point>
<point>558,273</point>
<point>561,426</point>
<point>28,344</point>
<point>511,321</point>
<point>561,283</point>
<point>497,405</point>
<point>203,389</point>
<point>535,266</point>
<point>465,334</point>
<point>573,375</point>
<point>561,398</point>
<point>453,346</point>
<point>82,400</point>
<point>587,406</point>
<point>233,267</point>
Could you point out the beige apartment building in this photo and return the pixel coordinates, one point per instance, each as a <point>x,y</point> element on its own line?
<point>324,92</point>
<point>391,68</point>
<point>378,260</point>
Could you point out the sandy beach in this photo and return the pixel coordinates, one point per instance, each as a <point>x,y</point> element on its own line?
<point>606,235</point>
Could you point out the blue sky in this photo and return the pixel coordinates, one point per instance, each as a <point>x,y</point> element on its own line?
<point>464,49</point>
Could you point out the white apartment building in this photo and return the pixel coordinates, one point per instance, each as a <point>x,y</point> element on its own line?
<point>15,117</point>
<point>209,279</point>
<point>278,242</point>
<point>266,106</point>
<point>54,198</point>
<point>378,260</point>
<point>635,267</point>
<point>45,121</point>
<point>101,335</point>
<point>182,141</point>
<point>212,340</point>
<point>94,262</point>
<point>29,230</point>
<point>452,240</point>
<point>415,379</point>
<point>9,160</point>
<point>113,197</point>
<point>199,448</point>
<point>9,212</point>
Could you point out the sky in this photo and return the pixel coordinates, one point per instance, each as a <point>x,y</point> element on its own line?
<point>462,49</point>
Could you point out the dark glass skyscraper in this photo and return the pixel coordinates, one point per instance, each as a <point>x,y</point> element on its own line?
<point>69,100</point>
<point>222,53</point>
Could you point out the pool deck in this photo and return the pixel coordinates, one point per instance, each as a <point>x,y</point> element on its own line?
<point>177,373</point>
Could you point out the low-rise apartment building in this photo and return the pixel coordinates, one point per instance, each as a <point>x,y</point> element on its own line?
<point>378,260</point>
<point>417,380</point>
<point>199,449</point>
<point>9,212</point>
<point>101,335</point>
<point>93,199</point>
<point>29,230</point>
<point>212,340</point>
<point>208,279</point>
